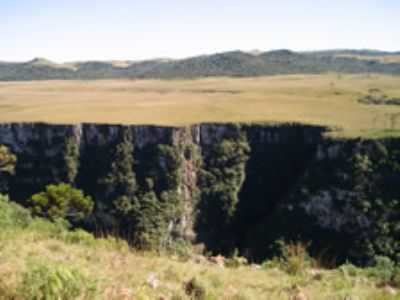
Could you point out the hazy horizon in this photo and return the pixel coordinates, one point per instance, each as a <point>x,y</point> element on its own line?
<point>197,55</point>
<point>132,30</point>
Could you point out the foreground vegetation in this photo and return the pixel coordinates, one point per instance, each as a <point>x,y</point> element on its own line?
<point>329,100</point>
<point>44,260</point>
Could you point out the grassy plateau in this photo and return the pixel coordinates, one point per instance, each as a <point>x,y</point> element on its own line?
<point>330,100</point>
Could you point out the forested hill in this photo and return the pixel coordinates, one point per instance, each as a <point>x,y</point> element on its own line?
<point>235,63</point>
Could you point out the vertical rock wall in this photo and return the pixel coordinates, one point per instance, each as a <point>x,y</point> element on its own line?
<point>239,186</point>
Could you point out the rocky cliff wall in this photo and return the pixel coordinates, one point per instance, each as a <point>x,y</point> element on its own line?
<point>236,186</point>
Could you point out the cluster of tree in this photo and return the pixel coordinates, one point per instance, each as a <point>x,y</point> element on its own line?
<point>347,206</point>
<point>221,180</point>
<point>145,211</point>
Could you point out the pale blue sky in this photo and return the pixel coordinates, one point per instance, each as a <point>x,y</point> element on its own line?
<point>128,29</point>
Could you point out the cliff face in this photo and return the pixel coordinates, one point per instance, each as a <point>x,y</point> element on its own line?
<point>233,186</point>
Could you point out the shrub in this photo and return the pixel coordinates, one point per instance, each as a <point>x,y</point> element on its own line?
<point>79,236</point>
<point>55,282</point>
<point>7,168</point>
<point>383,270</point>
<point>351,270</point>
<point>396,277</point>
<point>7,160</point>
<point>195,290</point>
<point>183,249</point>
<point>13,215</point>
<point>274,263</point>
<point>54,229</point>
<point>236,261</point>
<point>297,259</point>
<point>61,201</point>
<point>294,259</point>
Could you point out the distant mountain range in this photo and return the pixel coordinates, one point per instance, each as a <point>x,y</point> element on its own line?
<point>234,63</point>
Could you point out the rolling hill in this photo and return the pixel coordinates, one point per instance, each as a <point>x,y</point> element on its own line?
<point>234,63</point>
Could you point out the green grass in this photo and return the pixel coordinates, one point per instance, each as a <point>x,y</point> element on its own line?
<point>330,100</point>
<point>43,260</point>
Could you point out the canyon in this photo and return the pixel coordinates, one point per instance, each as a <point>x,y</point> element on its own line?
<point>235,186</point>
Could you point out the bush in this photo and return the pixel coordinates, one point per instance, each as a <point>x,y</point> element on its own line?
<point>383,270</point>
<point>54,229</point>
<point>294,259</point>
<point>195,290</point>
<point>55,282</point>
<point>351,270</point>
<point>183,249</point>
<point>61,201</point>
<point>236,261</point>
<point>7,160</point>
<point>13,215</point>
<point>396,277</point>
<point>79,236</point>
<point>274,263</point>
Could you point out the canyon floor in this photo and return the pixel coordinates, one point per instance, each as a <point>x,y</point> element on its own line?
<point>330,100</point>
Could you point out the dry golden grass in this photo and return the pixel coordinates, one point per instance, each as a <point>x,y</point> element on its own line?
<point>329,100</point>
<point>121,273</point>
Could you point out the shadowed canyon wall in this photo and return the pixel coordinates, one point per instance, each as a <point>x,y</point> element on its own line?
<point>229,186</point>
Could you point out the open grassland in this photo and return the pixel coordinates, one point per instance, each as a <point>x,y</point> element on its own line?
<point>330,100</point>
<point>38,263</point>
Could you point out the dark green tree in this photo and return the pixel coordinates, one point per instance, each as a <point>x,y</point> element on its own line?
<point>220,183</point>
<point>376,176</point>
<point>117,189</point>
<point>151,222</point>
<point>119,185</point>
<point>158,206</point>
<point>8,162</point>
<point>61,201</point>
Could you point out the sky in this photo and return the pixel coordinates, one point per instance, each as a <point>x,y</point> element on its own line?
<point>75,30</point>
